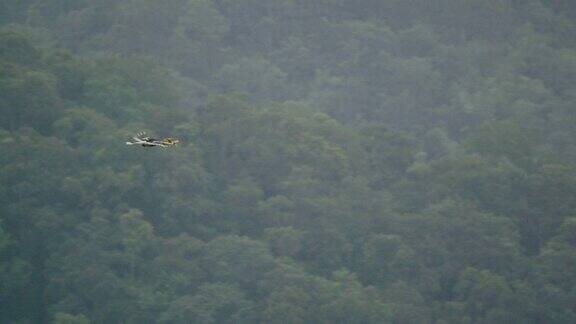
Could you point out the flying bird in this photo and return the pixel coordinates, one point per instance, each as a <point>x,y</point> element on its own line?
<point>143,140</point>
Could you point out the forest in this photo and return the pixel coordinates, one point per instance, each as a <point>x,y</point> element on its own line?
<point>341,161</point>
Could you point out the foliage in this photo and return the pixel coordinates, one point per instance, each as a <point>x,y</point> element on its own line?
<point>340,161</point>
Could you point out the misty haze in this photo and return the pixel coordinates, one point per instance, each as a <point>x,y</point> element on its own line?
<point>287,161</point>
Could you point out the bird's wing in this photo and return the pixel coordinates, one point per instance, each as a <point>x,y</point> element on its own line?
<point>141,136</point>
<point>156,143</point>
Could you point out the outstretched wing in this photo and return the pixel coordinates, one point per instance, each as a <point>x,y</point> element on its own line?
<point>154,143</point>
<point>141,137</point>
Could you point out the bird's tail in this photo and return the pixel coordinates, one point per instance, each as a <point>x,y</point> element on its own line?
<point>130,143</point>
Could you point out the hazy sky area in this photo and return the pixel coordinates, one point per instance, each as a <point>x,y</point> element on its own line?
<point>304,162</point>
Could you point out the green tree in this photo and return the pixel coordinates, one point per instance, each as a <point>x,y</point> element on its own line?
<point>213,303</point>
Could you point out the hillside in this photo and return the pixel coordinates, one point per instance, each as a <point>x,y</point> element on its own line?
<point>340,161</point>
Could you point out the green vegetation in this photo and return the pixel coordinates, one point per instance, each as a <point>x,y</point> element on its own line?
<point>341,161</point>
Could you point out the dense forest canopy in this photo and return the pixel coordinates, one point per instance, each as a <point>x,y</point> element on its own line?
<point>340,161</point>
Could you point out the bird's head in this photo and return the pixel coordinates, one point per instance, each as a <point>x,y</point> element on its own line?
<point>170,141</point>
